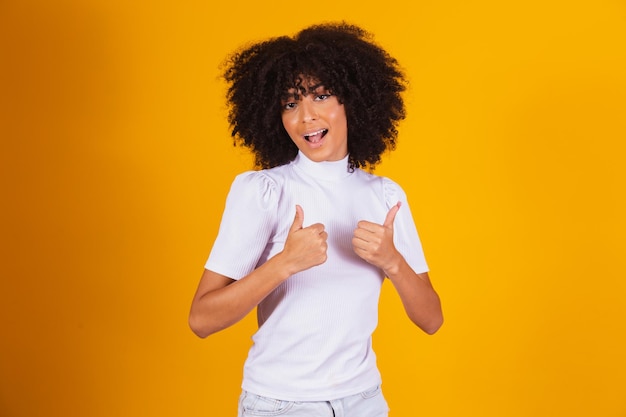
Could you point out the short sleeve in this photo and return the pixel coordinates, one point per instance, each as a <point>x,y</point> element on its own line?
<point>248,222</point>
<point>405,235</point>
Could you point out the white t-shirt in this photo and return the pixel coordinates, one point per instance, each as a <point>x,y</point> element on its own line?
<point>314,338</point>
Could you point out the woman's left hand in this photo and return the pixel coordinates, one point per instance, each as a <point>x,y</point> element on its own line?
<point>374,242</point>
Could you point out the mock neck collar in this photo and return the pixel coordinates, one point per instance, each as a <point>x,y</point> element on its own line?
<point>326,170</point>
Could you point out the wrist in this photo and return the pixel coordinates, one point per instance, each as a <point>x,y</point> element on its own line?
<point>393,268</point>
<point>282,267</point>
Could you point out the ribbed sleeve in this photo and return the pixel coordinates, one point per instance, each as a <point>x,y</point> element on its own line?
<point>248,221</point>
<point>405,235</point>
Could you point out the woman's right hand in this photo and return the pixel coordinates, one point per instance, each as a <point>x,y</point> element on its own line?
<point>305,247</point>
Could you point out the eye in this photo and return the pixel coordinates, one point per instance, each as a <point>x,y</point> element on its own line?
<point>322,97</point>
<point>290,105</point>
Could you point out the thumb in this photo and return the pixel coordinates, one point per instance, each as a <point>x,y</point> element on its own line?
<point>391,215</point>
<point>298,220</point>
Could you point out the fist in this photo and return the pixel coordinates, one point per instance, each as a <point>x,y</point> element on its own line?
<point>374,242</point>
<point>305,247</point>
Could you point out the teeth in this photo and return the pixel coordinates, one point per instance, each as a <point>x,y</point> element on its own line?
<point>308,135</point>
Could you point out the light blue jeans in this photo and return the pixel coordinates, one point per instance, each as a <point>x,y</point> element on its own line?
<point>369,403</point>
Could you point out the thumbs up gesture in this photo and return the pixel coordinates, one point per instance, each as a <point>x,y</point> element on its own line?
<point>305,247</point>
<point>374,242</point>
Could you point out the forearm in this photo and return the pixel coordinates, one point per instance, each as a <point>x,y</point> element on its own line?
<point>419,298</point>
<point>216,307</point>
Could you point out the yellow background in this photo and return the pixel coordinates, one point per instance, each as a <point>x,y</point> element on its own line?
<point>116,158</point>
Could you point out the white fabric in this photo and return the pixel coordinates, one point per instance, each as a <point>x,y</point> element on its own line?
<point>314,336</point>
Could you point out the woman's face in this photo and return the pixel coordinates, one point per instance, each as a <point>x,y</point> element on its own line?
<point>316,122</point>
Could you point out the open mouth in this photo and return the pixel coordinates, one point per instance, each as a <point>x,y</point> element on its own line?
<point>316,136</point>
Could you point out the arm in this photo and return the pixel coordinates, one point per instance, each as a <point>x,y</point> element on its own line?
<point>374,243</point>
<point>220,302</point>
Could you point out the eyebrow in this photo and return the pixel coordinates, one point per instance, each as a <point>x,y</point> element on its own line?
<point>301,90</point>
<point>314,87</point>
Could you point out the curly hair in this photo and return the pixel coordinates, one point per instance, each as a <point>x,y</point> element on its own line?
<point>345,59</point>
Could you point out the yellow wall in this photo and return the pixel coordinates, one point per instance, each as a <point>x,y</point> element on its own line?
<point>115,160</point>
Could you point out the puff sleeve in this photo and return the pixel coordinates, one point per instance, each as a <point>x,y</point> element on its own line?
<point>248,222</point>
<point>405,236</point>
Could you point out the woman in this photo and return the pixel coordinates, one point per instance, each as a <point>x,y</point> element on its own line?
<point>310,237</point>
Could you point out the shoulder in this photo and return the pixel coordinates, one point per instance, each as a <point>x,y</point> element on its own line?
<point>392,192</point>
<point>255,187</point>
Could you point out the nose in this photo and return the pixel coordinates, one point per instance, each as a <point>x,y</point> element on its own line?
<point>309,112</point>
